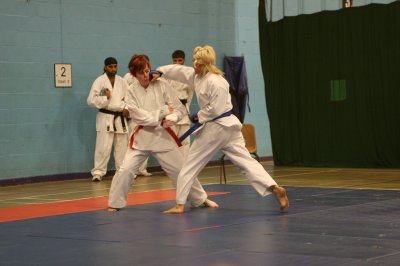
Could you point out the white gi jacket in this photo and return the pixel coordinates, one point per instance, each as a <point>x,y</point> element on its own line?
<point>212,93</point>
<point>129,78</point>
<point>223,134</point>
<point>147,108</point>
<point>183,91</point>
<point>98,99</point>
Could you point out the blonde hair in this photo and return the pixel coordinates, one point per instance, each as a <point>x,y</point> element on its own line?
<point>206,56</point>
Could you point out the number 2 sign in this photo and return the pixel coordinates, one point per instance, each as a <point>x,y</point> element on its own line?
<point>62,75</point>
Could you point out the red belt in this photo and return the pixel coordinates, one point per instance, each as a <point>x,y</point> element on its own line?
<point>174,136</point>
<point>168,129</point>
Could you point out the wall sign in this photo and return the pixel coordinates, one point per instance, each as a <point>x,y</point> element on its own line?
<point>63,75</point>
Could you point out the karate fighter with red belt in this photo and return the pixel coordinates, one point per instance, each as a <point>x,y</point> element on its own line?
<point>154,108</point>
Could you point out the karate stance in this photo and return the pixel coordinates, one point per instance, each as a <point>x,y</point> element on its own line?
<point>220,130</point>
<point>154,108</point>
<point>143,168</point>
<point>107,94</point>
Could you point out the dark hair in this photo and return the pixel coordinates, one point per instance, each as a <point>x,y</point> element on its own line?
<point>110,61</point>
<point>138,63</point>
<point>178,54</point>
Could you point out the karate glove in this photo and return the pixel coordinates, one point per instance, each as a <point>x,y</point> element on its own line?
<point>172,117</point>
<point>154,74</point>
<point>165,110</point>
<point>194,118</point>
<point>169,120</point>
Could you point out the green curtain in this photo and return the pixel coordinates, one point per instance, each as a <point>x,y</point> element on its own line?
<point>332,86</point>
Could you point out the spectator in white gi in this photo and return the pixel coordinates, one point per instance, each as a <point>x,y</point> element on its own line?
<point>185,95</point>
<point>107,94</point>
<point>143,168</point>
<point>219,129</point>
<point>154,108</point>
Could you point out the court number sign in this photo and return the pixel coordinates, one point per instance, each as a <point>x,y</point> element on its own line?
<point>63,75</point>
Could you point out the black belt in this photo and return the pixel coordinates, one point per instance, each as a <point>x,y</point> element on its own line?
<point>116,115</point>
<point>184,102</point>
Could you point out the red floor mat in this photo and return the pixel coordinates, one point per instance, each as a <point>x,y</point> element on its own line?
<point>82,205</point>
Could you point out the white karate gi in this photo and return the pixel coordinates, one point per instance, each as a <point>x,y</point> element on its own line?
<point>143,167</point>
<point>184,92</point>
<point>148,107</point>
<point>223,134</point>
<point>106,135</point>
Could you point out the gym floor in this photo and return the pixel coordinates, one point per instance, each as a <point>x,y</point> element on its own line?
<point>337,216</point>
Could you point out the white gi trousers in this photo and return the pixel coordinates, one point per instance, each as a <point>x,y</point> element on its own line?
<point>171,162</point>
<point>211,138</point>
<point>179,131</point>
<point>102,153</point>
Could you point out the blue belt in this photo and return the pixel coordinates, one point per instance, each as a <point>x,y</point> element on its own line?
<point>196,125</point>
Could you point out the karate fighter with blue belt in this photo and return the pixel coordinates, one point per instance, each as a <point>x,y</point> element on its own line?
<point>217,129</point>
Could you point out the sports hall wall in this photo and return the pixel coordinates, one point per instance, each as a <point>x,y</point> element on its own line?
<point>50,132</point>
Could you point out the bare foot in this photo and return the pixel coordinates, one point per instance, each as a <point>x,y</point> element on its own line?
<point>210,204</point>
<point>111,209</point>
<point>177,209</point>
<point>280,194</point>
